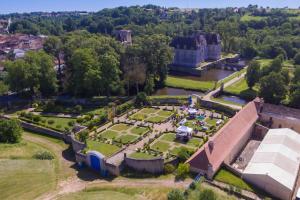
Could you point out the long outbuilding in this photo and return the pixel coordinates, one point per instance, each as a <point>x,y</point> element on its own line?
<point>274,166</point>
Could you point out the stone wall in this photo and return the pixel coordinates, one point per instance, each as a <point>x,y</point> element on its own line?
<point>77,145</point>
<point>218,107</point>
<point>259,131</point>
<point>154,166</point>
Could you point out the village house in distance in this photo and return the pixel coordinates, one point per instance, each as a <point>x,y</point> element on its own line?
<point>191,51</point>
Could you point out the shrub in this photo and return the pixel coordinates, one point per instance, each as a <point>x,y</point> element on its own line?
<point>79,120</point>
<point>43,155</point>
<point>36,118</point>
<point>82,136</point>
<point>169,168</point>
<point>183,154</point>
<point>10,131</point>
<point>50,121</point>
<point>58,126</point>
<point>193,186</point>
<point>175,194</point>
<point>78,108</point>
<point>182,170</point>
<point>207,194</point>
<point>71,123</point>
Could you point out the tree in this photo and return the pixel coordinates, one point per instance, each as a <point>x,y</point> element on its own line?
<point>83,136</point>
<point>297,59</point>
<point>35,72</point>
<point>295,95</point>
<point>272,88</point>
<point>10,131</point>
<point>253,74</point>
<point>141,99</point>
<point>183,170</point>
<point>207,194</point>
<point>175,194</point>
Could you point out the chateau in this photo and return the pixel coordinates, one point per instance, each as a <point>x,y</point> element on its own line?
<point>192,50</point>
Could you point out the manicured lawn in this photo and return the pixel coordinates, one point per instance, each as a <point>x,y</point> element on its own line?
<point>139,130</point>
<point>232,76</point>
<point>138,116</point>
<point>225,176</point>
<point>195,142</point>
<point>176,150</point>
<point>105,149</point>
<point>188,84</point>
<point>241,88</point>
<point>59,122</point>
<point>120,127</point>
<point>125,139</point>
<point>156,119</point>
<point>211,122</point>
<point>109,134</point>
<point>165,113</point>
<point>160,146</point>
<point>149,110</point>
<point>140,155</point>
<point>169,137</point>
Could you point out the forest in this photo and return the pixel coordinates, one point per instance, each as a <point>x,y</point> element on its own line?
<point>96,64</point>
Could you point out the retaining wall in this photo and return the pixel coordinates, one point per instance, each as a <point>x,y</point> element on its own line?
<point>154,166</point>
<point>218,107</point>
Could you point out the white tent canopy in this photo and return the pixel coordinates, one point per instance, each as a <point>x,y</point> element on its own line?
<point>192,111</point>
<point>184,129</point>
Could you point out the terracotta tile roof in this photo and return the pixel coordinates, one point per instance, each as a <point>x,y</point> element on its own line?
<point>217,149</point>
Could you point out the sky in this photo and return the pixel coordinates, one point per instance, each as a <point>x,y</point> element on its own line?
<point>10,6</point>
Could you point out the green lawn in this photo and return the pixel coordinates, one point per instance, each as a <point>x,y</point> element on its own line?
<point>240,88</point>
<point>103,148</point>
<point>149,110</point>
<point>194,142</point>
<point>165,113</point>
<point>168,137</point>
<point>247,18</point>
<point>138,116</point>
<point>97,195</point>
<point>156,119</point>
<point>140,155</point>
<point>109,134</point>
<point>21,176</point>
<point>230,77</point>
<point>139,130</point>
<point>226,176</point>
<point>120,127</point>
<point>211,122</point>
<point>59,122</point>
<point>160,146</point>
<point>176,150</point>
<point>188,84</point>
<point>126,138</point>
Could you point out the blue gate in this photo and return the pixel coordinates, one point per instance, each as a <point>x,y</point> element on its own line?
<point>95,163</point>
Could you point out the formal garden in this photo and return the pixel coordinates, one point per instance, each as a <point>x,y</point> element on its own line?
<point>152,115</point>
<point>121,133</point>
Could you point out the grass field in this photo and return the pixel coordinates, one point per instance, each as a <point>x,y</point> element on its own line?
<point>247,18</point>
<point>189,84</point>
<point>120,193</point>
<point>225,176</point>
<point>21,176</point>
<point>240,88</point>
<point>105,149</point>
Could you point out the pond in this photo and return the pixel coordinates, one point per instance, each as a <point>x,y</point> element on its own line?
<point>233,99</point>
<point>209,75</point>
<point>176,92</point>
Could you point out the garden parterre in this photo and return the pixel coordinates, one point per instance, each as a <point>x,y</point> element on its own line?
<point>152,115</point>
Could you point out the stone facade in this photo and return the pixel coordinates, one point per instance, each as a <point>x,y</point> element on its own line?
<point>124,36</point>
<point>192,50</point>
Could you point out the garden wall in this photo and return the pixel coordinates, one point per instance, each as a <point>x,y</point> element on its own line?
<point>168,100</point>
<point>76,145</point>
<point>218,107</point>
<point>154,166</point>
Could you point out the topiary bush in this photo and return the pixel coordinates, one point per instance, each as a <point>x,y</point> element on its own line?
<point>169,168</point>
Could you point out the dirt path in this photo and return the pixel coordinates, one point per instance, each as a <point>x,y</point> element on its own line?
<point>69,179</point>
